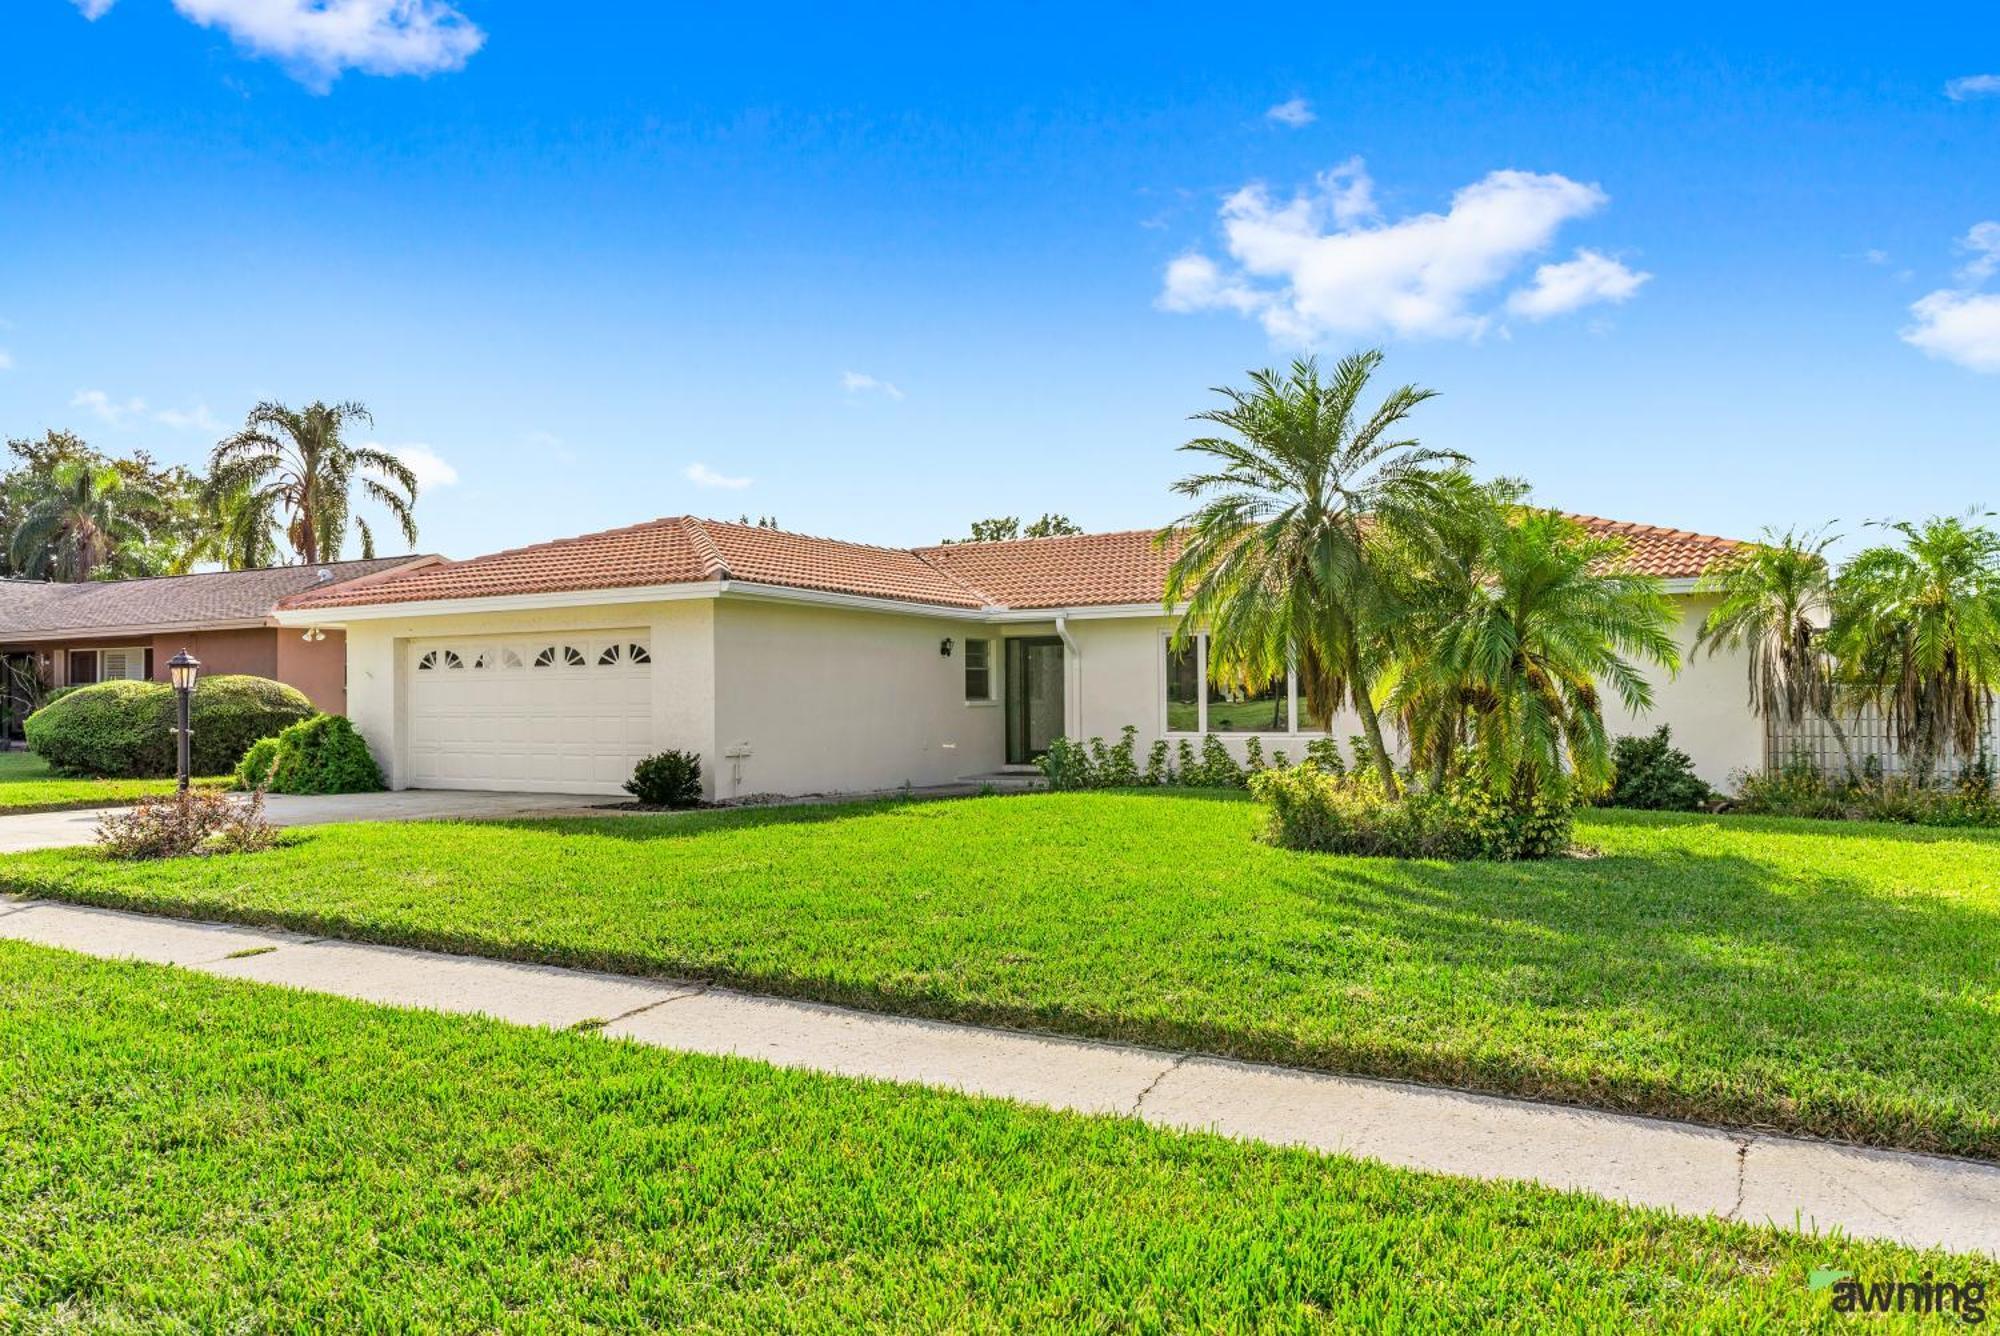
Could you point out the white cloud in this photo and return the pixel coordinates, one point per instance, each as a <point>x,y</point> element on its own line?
<point>1874,255</point>
<point>854,382</point>
<point>1325,263</point>
<point>1297,112</point>
<point>1982,241</point>
<point>431,468</point>
<point>1559,289</point>
<point>197,418</point>
<point>1971,86</point>
<point>701,475</point>
<point>6,360</point>
<point>1961,327</point>
<point>318,40</point>
<point>107,409</point>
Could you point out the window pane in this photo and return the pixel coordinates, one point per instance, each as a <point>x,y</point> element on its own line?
<point>1183,690</point>
<point>978,670</point>
<point>1235,709</point>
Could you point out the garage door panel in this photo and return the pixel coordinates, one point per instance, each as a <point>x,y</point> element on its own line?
<point>578,722</point>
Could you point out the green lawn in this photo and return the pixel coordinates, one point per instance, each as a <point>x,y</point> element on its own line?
<point>179,1153</point>
<point>26,785</point>
<point>1837,979</point>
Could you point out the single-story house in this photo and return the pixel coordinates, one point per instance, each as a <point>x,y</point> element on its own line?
<point>795,664</point>
<point>58,635</point>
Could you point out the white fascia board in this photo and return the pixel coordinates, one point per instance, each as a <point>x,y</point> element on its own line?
<point>87,633</point>
<point>858,602</point>
<point>341,614</point>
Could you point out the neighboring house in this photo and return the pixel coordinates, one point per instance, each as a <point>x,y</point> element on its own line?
<point>804,665</point>
<point>56,635</point>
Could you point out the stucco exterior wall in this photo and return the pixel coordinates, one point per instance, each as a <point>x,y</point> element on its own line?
<point>318,668</point>
<point>827,700</point>
<point>682,641</point>
<point>252,650</point>
<point>1120,678</point>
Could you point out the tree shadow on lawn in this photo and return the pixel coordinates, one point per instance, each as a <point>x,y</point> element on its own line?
<point>1837,1008</point>
<point>1818,827</point>
<point>645,827</point>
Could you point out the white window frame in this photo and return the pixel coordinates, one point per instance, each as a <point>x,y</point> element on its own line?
<point>992,696</point>
<point>1200,644</point>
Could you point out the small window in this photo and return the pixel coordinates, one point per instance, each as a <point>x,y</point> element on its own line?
<point>451,659</point>
<point>1183,687</point>
<point>574,657</point>
<point>510,658</point>
<point>979,670</point>
<point>546,658</point>
<point>637,654</point>
<point>609,658</point>
<point>483,659</point>
<point>429,662</point>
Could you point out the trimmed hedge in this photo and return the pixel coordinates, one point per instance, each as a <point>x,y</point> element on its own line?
<point>125,730</point>
<point>322,754</point>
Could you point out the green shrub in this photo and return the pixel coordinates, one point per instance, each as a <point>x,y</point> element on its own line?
<point>670,779</point>
<point>1798,789</point>
<point>1093,765</point>
<point>254,770</point>
<point>322,754</point>
<point>1317,811</point>
<point>1652,774</point>
<point>126,729</point>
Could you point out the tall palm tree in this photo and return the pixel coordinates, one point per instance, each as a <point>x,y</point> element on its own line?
<point>81,517</point>
<point>297,465</point>
<point>1916,630</point>
<point>1524,648</point>
<point>1771,599</point>
<point>1279,563</point>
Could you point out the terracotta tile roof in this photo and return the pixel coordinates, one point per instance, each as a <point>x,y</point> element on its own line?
<point>33,609</point>
<point>676,550</point>
<point>1670,554</point>
<point>1081,570</point>
<point>1074,571</point>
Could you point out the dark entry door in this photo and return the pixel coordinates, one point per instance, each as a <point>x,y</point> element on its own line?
<point>1034,696</point>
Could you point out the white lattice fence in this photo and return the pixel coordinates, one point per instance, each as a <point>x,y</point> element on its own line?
<point>1867,733</point>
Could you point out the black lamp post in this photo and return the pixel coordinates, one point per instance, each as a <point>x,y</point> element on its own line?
<point>183,668</point>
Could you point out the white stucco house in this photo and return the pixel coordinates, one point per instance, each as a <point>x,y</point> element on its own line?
<point>796,664</point>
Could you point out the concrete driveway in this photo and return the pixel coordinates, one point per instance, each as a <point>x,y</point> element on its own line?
<point>56,830</point>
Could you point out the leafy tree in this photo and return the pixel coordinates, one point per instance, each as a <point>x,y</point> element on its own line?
<point>296,465</point>
<point>1523,647</point>
<point>1916,631</point>
<point>30,478</point>
<point>1770,599</point>
<point>1005,528</point>
<point>78,521</point>
<point>1298,505</point>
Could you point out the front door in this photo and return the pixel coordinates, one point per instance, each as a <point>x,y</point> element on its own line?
<point>1034,696</point>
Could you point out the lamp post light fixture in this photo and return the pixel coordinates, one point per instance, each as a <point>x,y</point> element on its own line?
<point>183,669</point>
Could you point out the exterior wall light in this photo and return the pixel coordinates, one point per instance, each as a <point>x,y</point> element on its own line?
<point>944,647</point>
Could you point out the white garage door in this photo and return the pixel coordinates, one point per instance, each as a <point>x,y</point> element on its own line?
<point>551,714</point>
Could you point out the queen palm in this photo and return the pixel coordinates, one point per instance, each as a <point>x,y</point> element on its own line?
<point>1916,631</point>
<point>83,515</point>
<point>1527,647</point>
<point>1771,597</point>
<point>296,466</point>
<point>1301,501</point>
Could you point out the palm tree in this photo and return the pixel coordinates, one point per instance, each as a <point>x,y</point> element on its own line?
<point>1279,562</point>
<point>1916,631</point>
<point>1770,598</point>
<point>81,517</point>
<point>298,465</point>
<point>1523,648</point>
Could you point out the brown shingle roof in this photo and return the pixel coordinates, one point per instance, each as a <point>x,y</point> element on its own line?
<point>33,609</point>
<point>1080,570</point>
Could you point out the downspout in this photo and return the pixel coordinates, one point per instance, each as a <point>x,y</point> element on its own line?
<point>1072,700</point>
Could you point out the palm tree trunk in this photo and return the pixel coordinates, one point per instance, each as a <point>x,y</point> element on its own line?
<point>1371,727</point>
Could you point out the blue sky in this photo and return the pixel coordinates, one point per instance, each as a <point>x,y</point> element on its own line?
<point>905,269</point>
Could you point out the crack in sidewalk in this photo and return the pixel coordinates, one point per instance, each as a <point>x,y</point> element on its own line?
<point>1154,1084</point>
<point>1743,1145</point>
<point>608,1022</point>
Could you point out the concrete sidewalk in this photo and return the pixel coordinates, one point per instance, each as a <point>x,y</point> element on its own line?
<point>78,826</point>
<point>1921,1200</point>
